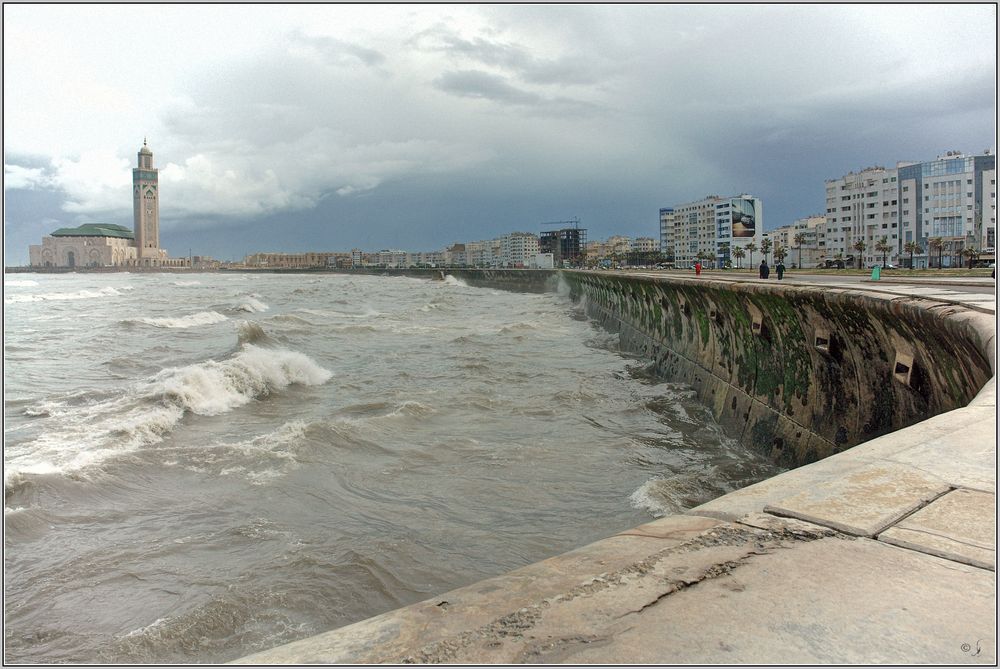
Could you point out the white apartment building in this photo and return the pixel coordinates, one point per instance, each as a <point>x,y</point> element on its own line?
<point>952,197</point>
<point>518,249</point>
<point>862,206</point>
<point>714,226</point>
<point>667,233</point>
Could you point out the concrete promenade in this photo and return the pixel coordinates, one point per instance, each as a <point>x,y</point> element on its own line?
<point>884,553</point>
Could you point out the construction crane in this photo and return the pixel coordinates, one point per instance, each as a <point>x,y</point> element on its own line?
<point>574,222</point>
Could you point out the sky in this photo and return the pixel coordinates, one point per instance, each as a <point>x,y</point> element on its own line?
<point>332,127</point>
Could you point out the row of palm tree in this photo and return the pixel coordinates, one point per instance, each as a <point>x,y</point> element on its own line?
<point>882,246</point>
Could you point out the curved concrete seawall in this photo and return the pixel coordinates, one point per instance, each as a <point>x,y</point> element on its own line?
<point>880,553</point>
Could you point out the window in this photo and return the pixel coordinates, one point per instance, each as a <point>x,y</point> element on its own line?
<point>906,188</point>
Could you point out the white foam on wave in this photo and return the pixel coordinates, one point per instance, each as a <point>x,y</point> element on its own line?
<point>19,283</point>
<point>449,280</point>
<point>647,498</point>
<point>78,295</point>
<point>189,321</point>
<point>150,409</point>
<point>187,283</point>
<point>253,306</point>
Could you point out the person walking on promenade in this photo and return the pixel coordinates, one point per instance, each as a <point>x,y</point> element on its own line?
<point>764,269</point>
<point>697,268</point>
<point>780,269</point>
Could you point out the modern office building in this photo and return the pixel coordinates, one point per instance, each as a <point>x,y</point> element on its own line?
<point>712,227</point>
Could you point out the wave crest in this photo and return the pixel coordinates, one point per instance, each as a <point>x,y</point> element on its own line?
<point>189,321</point>
<point>253,306</point>
<point>78,295</point>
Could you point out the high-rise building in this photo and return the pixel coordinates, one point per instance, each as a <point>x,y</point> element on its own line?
<point>667,233</point>
<point>712,227</point>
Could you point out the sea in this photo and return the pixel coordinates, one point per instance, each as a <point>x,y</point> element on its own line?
<point>201,466</point>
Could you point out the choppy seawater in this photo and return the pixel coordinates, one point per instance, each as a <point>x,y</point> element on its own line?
<point>197,467</point>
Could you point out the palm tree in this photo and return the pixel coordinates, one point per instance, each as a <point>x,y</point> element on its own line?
<point>751,247</point>
<point>765,246</point>
<point>911,248</point>
<point>860,247</point>
<point>882,246</point>
<point>970,253</point>
<point>779,253</point>
<point>799,241</point>
<point>739,253</point>
<point>839,258</point>
<point>937,243</point>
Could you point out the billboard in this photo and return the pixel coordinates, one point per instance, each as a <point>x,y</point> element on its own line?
<point>744,217</point>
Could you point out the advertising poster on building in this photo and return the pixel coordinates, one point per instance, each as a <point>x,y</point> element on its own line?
<point>744,219</point>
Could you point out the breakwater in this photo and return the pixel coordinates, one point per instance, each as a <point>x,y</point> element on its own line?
<point>795,372</point>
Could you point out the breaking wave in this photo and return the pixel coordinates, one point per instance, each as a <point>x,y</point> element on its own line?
<point>78,295</point>
<point>253,306</point>
<point>449,280</point>
<point>190,321</point>
<point>146,412</point>
<point>20,283</point>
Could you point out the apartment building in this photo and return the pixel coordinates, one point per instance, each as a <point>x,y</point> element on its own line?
<point>644,245</point>
<point>713,227</point>
<point>518,249</point>
<point>667,233</point>
<point>952,198</point>
<point>808,253</point>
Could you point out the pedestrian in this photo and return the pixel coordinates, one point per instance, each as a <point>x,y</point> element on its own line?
<point>780,269</point>
<point>697,268</point>
<point>764,269</point>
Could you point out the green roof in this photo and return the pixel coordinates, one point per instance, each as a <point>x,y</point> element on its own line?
<point>95,230</point>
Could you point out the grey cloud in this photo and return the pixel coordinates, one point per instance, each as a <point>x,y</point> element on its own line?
<point>493,87</point>
<point>574,69</point>
<point>339,52</point>
<point>478,84</point>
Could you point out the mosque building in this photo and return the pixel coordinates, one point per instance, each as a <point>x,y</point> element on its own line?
<point>104,245</point>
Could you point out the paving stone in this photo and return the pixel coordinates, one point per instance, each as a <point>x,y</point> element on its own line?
<point>959,526</point>
<point>828,601</point>
<point>862,502</point>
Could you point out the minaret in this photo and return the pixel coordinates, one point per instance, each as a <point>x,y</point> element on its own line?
<point>146,207</point>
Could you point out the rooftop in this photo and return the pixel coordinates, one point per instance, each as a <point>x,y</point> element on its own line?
<point>95,230</point>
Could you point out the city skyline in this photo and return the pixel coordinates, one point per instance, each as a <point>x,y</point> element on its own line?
<point>332,127</point>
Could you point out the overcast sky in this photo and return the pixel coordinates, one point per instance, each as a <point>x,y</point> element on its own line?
<point>293,128</point>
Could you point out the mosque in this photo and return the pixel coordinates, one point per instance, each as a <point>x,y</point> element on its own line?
<point>104,245</point>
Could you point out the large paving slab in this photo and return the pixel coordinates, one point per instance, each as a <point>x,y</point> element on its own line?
<point>830,601</point>
<point>959,526</point>
<point>862,502</point>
